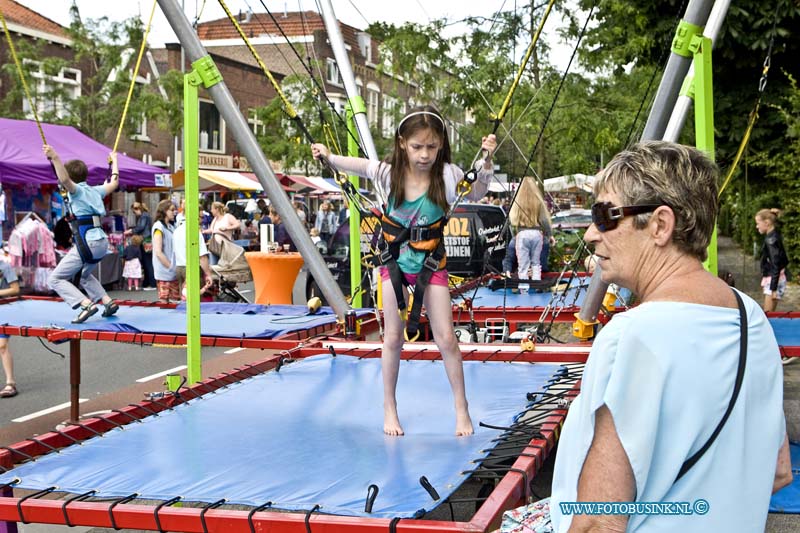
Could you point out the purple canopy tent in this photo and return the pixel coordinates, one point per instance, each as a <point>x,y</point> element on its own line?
<point>22,161</point>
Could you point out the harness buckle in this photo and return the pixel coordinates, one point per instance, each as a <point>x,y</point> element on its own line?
<point>419,234</point>
<point>385,257</point>
<point>431,263</point>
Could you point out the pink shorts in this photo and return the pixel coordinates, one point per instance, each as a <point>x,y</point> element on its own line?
<point>439,277</point>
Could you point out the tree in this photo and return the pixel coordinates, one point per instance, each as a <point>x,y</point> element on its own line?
<point>100,48</point>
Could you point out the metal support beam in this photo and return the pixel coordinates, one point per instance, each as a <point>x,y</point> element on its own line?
<point>681,110</point>
<point>191,167</point>
<point>346,72</point>
<point>697,13</point>
<point>240,130</point>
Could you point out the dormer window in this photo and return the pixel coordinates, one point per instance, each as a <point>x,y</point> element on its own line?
<point>365,45</point>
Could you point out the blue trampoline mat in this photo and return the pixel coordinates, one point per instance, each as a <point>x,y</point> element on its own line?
<point>485,297</point>
<point>229,320</point>
<point>311,434</point>
<point>787,500</point>
<point>787,330</point>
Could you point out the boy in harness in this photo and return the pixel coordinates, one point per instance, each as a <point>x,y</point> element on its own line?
<point>422,184</point>
<point>91,242</point>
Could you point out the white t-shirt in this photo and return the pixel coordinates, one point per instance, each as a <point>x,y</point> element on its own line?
<point>666,372</point>
<point>179,245</point>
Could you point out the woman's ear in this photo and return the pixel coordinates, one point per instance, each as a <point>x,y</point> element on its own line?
<point>662,225</point>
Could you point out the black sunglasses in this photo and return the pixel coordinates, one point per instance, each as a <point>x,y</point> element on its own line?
<point>606,216</point>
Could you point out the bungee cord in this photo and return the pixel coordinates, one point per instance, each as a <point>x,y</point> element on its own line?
<point>21,74</point>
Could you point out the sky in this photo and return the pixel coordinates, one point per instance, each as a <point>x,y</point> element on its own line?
<point>357,13</point>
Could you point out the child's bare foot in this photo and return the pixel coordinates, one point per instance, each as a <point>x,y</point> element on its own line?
<point>391,422</point>
<point>463,424</point>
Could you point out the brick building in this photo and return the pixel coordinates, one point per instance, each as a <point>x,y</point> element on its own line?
<point>387,97</point>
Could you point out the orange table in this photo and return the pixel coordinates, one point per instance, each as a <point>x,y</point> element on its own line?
<point>274,275</point>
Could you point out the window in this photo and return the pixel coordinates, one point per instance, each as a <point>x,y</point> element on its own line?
<point>333,72</point>
<point>373,95</point>
<point>51,93</point>
<point>212,128</point>
<point>140,131</point>
<point>360,87</point>
<point>388,118</point>
<point>365,45</point>
<point>256,124</point>
<point>455,136</point>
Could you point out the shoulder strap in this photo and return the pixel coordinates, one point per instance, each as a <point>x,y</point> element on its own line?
<point>690,462</point>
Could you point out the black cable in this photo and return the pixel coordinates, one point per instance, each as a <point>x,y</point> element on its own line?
<point>50,349</point>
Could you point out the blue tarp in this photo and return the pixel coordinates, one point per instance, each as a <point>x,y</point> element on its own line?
<point>485,297</point>
<point>229,320</point>
<point>787,500</point>
<point>311,434</point>
<point>787,330</point>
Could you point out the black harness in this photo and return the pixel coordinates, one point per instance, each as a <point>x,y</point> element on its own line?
<point>79,226</point>
<point>423,238</point>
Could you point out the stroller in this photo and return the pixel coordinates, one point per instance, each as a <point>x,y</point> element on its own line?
<point>230,270</point>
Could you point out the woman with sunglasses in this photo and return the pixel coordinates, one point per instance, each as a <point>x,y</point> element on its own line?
<point>681,398</point>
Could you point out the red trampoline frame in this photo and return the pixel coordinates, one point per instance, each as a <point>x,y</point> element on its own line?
<point>509,492</point>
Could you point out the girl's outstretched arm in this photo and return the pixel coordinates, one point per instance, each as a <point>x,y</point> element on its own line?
<point>349,165</point>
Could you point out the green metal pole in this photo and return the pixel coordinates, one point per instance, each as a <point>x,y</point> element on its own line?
<point>191,145</point>
<point>351,109</point>
<point>704,120</point>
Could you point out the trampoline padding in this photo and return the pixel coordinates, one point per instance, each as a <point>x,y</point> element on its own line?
<point>787,330</point>
<point>229,320</point>
<point>486,297</point>
<point>309,434</point>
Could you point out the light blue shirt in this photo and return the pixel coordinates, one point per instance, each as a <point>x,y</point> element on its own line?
<point>666,372</point>
<point>88,201</point>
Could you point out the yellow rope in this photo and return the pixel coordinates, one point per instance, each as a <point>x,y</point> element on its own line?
<point>288,105</point>
<point>742,146</point>
<point>524,63</point>
<point>133,77</point>
<point>22,76</point>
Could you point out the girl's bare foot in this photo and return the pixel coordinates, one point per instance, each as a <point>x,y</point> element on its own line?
<point>463,424</point>
<point>391,422</point>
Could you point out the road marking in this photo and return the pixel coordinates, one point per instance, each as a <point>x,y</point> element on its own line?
<point>233,350</point>
<point>164,373</point>
<point>43,412</point>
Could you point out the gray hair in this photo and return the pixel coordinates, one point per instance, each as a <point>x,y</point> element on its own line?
<point>680,177</point>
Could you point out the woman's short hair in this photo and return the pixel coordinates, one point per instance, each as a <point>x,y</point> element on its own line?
<point>219,206</point>
<point>77,170</point>
<point>680,177</point>
<point>140,206</point>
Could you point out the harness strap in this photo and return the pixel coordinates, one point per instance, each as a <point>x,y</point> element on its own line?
<point>79,226</point>
<point>691,461</point>
<point>429,267</point>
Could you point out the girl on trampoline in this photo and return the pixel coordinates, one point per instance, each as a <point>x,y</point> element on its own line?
<point>422,183</point>
<point>91,242</point>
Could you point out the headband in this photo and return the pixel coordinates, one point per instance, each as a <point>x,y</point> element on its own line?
<point>431,113</point>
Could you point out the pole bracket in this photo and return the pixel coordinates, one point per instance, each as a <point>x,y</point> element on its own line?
<point>208,71</point>
<point>682,42</point>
